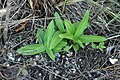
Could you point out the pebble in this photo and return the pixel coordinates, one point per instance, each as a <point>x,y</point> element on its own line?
<point>39,74</point>
<point>10,56</point>
<point>35,63</point>
<point>113,60</point>
<point>57,54</point>
<point>57,72</point>
<point>73,70</point>
<point>34,59</point>
<point>63,56</point>
<point>95,78</point>
<point>80,60</point>
<point>19,59</point>
<point>70,54</point>
<point>7,65</point>
<point>37,57</point>
<point>67,62</point>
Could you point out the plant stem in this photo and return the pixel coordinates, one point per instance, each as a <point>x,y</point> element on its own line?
<point>63,8</point>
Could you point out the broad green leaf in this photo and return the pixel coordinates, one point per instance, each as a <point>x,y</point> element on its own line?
<point>67,48</point>
<point>79,42</point>
<point>83,25</point>
<point>55,40</point>
<point>59,46</point>
<point>31,49</point>
<point>69,27</point>
<point>40,35</point>
<point>91,38</point>
<point>49,33</point>
<point>67,36</point>
<point>50,53</point>
<point>75,47</point>
<point>94,46</point>
<point>59,22</point>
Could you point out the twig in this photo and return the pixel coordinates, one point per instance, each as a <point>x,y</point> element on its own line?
<point>113,37</point>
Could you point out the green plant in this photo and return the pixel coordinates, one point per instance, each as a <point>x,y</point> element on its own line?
<point>74,32</point>
<point>99,46</point>
<point>49,41</point>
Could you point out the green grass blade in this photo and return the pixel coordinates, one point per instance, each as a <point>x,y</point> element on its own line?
<point>75,47</point>
<point>101,43</point>
<point>67,48</point>
<point>55,40</point>
<point>31,49</point>
<point>40,35</point>
<point>67,36</point>
<point>49,33</point>
<point>101,47</point>
<point>91,38</point>
<point>94,46</point>
<point>50,54</point>
<point>59,22</point>
<point>76,25</point>
<point>79,42</point>
<point>69,27</point>
<point>83,25</point>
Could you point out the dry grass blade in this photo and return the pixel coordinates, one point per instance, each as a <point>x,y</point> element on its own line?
<point>106,9</point>
<point>31,3</point>
<point>69,2</point>
<point>21,27</point>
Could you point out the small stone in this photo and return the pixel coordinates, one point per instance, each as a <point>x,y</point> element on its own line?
<point>37,57</point>
<point>34,59</point>
<point>7,65</point>
<point>18,59</point>
<point>80,60</point>
<point>57,54</point>
<point>95,78</point>
<point>70,54</point>
<point>31,59</point>
<point>113,60</point>
<point>67,62</point>
<point>74,62</point>
<point>73,70</point>
<point>66,58</point>
<point>10,56</point>
<point>63,75</point>
<point>35,63</point>
<point>57,72</point>
<point>39,74</point>
<point>63,56</point>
